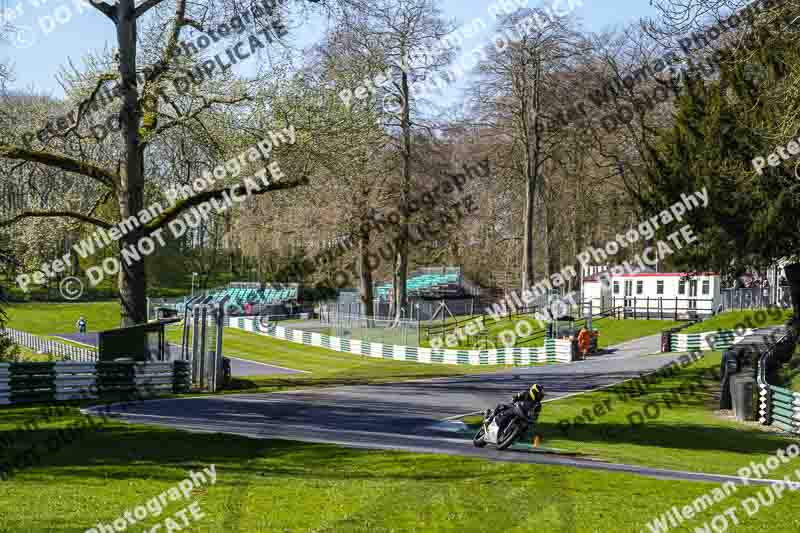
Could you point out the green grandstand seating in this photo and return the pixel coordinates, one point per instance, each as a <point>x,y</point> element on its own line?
<point>260,296</point>
<point>423,283</point>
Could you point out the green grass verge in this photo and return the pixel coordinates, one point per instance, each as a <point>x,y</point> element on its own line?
<point>271,486</point>
<point>685,436</point>
<point>757,318</point>
<point>792,379</point>
<point>612,331</point>
<point>41,318</point>
<point>326,367</point>
<point>789,374</point>
<point>27,355</point>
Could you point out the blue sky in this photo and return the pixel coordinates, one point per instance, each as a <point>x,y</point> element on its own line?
<point>43,47</point>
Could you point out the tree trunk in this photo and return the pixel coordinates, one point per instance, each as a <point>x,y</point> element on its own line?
<point>530,105</point>
<point>365,276</point>
<point>577,248</point>
<point>401,255</point>
<point>529,244</point>
<point>130,193</point>
<point>551,241</point>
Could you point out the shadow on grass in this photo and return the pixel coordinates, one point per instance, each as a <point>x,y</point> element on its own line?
<point>666,435</point>
<point>136,452</point>
<point>682,436</point>
<point>269,384</point>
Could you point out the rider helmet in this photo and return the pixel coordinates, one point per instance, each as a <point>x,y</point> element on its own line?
<point>537,392</point>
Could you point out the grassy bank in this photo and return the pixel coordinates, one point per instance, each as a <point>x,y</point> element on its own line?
<point>748,318</point>
<point>269,486</point>
<point>682,432</point>
<point>325,367</point>
<point>789,374</point>
<point>612,331</point>
<point>49,318</point>
<point>27,355</point>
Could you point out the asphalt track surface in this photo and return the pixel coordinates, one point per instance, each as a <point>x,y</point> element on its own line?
<point>239,367</point>
<point>409,415</point>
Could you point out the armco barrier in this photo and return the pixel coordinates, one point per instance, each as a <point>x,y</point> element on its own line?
<point>554,350</point>
<point>67,351</point>
<point>710,340</point>
<point>778,406</point>
<point>64,381</point>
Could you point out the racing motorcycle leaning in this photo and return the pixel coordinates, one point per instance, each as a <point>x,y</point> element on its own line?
<point>503,426</point>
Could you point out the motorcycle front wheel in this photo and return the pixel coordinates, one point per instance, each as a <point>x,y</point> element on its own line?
<point>478,439</point>
<point>509,436</point>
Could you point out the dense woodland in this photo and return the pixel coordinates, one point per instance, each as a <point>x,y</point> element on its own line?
<point>585,134</point>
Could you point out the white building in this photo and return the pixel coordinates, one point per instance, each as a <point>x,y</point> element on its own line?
<point>653,294</point>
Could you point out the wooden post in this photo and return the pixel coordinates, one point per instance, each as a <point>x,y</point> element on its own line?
<point>676,308</point>
<point>648,308</point>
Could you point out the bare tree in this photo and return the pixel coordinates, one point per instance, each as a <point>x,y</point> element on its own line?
<point>151,106</point>
<point>407,40</point>
<point>520,81</point>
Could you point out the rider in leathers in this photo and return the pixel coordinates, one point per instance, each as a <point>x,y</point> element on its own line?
<point>530,402</point>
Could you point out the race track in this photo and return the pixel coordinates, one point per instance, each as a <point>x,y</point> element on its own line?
<point>407,415</point>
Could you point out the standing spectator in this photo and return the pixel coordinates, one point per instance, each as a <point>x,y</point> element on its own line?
<point>81,325</point>
<point>584,341</point>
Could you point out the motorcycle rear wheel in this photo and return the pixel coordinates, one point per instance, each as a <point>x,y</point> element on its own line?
<point>509,436</point>
<point>478,439</point>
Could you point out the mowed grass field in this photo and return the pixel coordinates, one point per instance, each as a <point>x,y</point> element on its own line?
<point>612,331</point>
<point>42,318</point>
<point>270,486</point>
<point>50,318</point>
<point>325,367</point>
<point>276,486</point>
<point>729,320</point>
<point>658,428</point>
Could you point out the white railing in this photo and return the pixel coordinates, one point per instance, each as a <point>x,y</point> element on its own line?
<point>49,346</point>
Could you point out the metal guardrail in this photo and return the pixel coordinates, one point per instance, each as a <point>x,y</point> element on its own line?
<point>68,381</point>
<point>778,406</point>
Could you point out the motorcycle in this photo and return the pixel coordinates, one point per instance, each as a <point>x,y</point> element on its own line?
<point>517,424</point>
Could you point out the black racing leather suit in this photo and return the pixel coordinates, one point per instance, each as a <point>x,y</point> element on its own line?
<point>529,407</point>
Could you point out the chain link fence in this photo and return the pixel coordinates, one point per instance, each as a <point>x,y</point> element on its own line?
<point>381,330</point>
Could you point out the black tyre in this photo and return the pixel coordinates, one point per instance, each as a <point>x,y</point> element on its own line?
<point>509,435</point>
<point>478,440</point>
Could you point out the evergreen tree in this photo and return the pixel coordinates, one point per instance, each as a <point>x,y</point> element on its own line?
<point>720,126</point>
